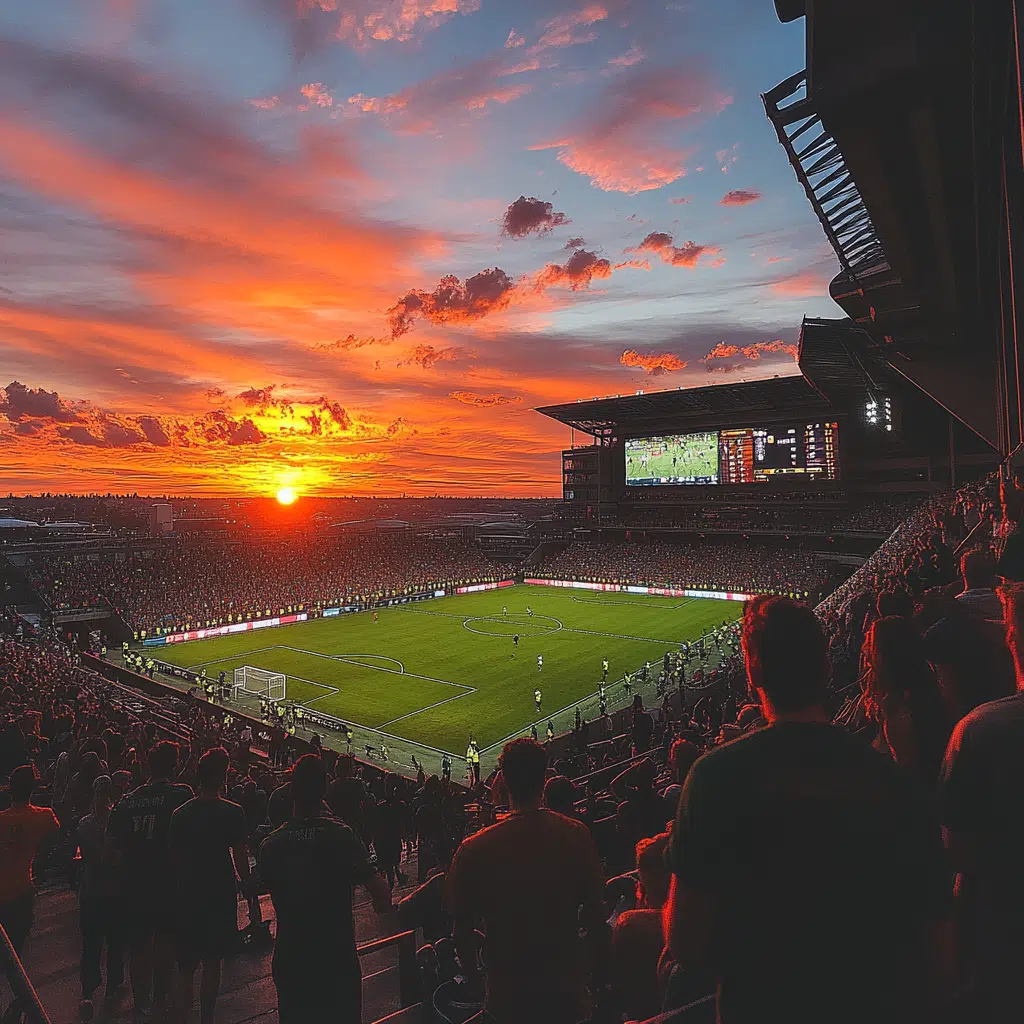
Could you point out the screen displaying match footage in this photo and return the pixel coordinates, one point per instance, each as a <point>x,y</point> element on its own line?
<point>676,459</point>
<point>740,455</point>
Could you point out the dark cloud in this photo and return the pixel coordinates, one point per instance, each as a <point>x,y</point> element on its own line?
<point>28,428</point>
<point>531,216</point>
<point>80,435</point>
<point>335,412</point>
<point>261,397</point>
<point>153,431</point>
<point>18,401</point>
<point>575,243</point>
<point>219,426</point>
<point>121,435</point>
<point>349,342</point>
<point>246,432</point>
<point>576,273</point>
<point>452,302</point>
<point>739,197</point>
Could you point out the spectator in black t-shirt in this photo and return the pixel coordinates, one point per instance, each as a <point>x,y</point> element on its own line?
<point>981,798</point>
<point>848,861</point>
<point>206,834</point>
<point>310,864</point>
<point>137,840</point>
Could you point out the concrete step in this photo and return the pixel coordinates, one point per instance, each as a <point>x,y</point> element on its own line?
<point>247,989</point>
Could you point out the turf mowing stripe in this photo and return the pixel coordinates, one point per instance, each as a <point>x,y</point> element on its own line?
<point>413,714</point>
<point>390,671</point>
<point>204,664</point>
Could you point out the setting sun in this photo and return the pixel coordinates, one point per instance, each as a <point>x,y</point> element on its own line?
<point>286,495</point>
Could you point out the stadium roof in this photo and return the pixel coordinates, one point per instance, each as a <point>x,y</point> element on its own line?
<point>17,524</point>
<point>657,411</point>
<point>904,131</point>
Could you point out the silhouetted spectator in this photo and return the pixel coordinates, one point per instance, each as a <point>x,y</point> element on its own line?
<point>903,693</point>
<point>637,939</point>
<point>533,880</point>
<point>849,860</point>
<point>97,903</point>
<point>207,833</point>
<point>978,570</point>
<point>24,829</point>
<point>137,834</point>
<point>981,810</point>
<point>310,865</point>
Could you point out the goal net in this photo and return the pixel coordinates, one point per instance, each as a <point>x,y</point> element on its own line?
<point>259,683</point>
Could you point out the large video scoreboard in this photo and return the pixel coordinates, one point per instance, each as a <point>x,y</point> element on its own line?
<point>739,455</point>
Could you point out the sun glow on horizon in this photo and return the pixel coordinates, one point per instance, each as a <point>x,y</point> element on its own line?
<point>286,495</point>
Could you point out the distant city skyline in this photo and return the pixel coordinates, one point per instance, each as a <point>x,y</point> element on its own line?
<point>346,246</point>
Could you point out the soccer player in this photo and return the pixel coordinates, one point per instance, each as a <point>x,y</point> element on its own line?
<point>515,641</point>
<point>529,611</point>
<point>540,662</point>
<point>536,700</point>
<point>374,616</point>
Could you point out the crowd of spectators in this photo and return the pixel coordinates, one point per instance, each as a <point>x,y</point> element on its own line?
<point>180,585</point>
<point>782,845</point>
<point>804,513</point>
<point>744,568</point>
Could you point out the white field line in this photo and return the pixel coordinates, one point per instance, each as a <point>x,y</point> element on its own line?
<point>377,668</point>
<point>429,707</point>
<point>216,661</point>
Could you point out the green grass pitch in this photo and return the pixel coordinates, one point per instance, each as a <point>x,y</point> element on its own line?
<point>435,671</point>
<point>696,457</point>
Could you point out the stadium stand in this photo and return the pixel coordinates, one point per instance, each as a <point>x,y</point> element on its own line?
<point>175,585</point>
<point>91,744</point>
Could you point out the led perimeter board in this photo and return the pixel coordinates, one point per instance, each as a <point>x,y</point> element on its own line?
<point>737,455</point>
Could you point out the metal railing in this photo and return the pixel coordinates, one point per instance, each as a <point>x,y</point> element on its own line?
<point>25,995</point>
<point>408,973</point>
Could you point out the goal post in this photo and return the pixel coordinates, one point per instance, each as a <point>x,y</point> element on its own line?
<point>258,682</point>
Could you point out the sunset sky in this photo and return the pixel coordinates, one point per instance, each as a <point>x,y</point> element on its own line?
<point>254,243</point>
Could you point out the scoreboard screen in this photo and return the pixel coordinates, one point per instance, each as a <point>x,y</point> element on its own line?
<point>739,455</point>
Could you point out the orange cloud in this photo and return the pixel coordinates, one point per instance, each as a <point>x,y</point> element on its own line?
<point>561,31</point>
<point>634,55</point>
<point>686,255</point>
<point>317,94</point>
<point>452,302</point>
<point>418,107</point>
<point>753,353</point>
<point>801,285</point>
<point>428,356</point>
<point>483,401</point>
<point>655,363</point>
<point>739,197</point>
<point>622,146</point>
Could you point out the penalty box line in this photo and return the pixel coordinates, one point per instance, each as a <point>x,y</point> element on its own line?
<point>377,668</point>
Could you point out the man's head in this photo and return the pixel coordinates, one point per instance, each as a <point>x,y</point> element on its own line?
<point>309,783</point>
<point>163,760</point>
<point>524,764</point>
<point>212,771</point>
<point>655,876</point>
<point>681,757</point>
<point>785,654</point>
<point>895,602</point>
<point>559,794</point>
<point>23,781</point>
<point>978,568</point>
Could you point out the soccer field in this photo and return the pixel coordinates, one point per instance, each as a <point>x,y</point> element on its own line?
<point>432,672</point>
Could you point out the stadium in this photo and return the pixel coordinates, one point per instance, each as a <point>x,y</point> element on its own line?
<point>628,754</point>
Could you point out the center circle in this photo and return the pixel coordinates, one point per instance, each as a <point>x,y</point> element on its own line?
<point>511,625</point>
